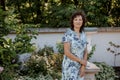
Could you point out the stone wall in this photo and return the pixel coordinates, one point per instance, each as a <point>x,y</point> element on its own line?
<point>95,36</point>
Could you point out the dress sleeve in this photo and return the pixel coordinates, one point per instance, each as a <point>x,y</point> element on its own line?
<point>66,38</point>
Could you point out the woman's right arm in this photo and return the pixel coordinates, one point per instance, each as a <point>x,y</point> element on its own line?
<point>70,55</point>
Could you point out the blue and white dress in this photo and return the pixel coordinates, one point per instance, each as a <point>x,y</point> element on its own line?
<point>70,68</point>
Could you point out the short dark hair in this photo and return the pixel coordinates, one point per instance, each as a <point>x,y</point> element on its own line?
<point>77,13</point>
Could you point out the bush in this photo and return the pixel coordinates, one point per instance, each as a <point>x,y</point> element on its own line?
<point>40,77</point>
<point>106,72</point>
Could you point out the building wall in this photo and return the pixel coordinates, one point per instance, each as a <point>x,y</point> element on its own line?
<point>99,38</point>
<point>102,39</point>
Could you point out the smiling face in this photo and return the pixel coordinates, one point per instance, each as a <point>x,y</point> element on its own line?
<point>77,21</point>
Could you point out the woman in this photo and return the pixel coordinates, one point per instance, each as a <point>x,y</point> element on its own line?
<point>75,49</point>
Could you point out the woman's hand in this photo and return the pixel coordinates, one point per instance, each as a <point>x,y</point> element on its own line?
<point>83,62</point>
<point>82,71</point>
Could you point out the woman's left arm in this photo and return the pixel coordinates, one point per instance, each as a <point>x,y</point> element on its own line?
<point>82,68</point>
<point>85,54</point>
<point>85,51</point>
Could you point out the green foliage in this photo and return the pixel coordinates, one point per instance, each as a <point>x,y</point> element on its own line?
<point>4,30</point>
<point>115,7</point>
<point>106,72</point>
<point>56,13</point>
<point>43,64</point>
<point>114,49</point>
<point>59,17</point>
<point>24,34</point>
<point>39,63</point>
<point>92,51</point>
<point>36,65</point>
<point>96,13</point>
<point>40,77</point>
<point>23,39</point>
<point>56,60</point>
<point>10,48</point>
<point>7,52</point>
<point>60,47</point>
<point>46,51</point>
<point>21,44</point>
<point>9,72</point>
<point>56,75</point>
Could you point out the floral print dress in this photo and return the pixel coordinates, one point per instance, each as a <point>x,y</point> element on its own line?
<point>70,68</point>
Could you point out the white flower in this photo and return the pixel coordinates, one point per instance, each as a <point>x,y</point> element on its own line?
<point>1,69</point>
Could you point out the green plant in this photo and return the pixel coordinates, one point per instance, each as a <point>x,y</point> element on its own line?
<point>56,61</point>
<point>9,72</point>
<point>7,52</point>
<point>7,49</point>
<point>40,77</point>
<point>56,75</point>
<point>24,34</point>
<point>106,72</point>
<point>10,48</point>
<point>22,41</point>
<point>60,47</point>
<point>91,52</point>
<point>4,29</point>
<point>43,62</point>
<point>8,59</point>
<point>46,51</point>
<point>35,65</point>
<point>114,50</point>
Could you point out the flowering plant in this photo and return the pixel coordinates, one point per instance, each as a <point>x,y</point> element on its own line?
<point>1,69</point>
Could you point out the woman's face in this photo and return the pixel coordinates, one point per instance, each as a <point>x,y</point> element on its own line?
<point>78,21</point>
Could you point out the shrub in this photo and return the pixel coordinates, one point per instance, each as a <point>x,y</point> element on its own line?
<point>46,51</point>
<point>106,72</point>
<point>91,52</point>
<point>40,77</point>
<point>114,49</point>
